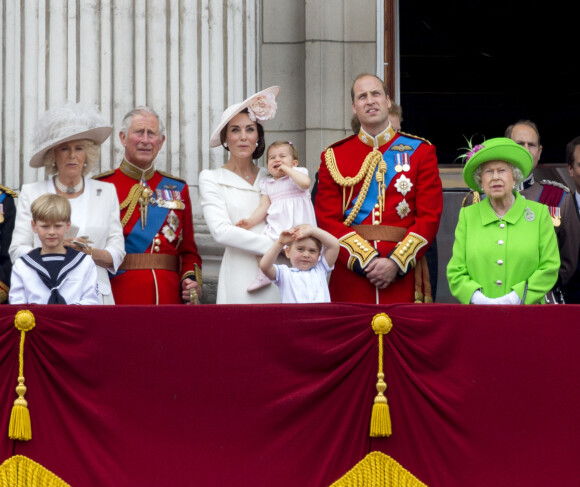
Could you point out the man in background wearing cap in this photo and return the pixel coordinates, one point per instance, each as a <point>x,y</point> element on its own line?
<point>162,265</point>
<point>7,216</point>
<point>380,194</point>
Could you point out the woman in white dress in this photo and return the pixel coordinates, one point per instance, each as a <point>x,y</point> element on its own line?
<point>67,143</point>
<point>232,192</point>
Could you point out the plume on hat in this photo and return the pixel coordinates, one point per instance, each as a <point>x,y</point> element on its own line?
<point>72,121</point>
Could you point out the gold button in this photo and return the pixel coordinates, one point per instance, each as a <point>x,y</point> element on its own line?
<point>156,248</point>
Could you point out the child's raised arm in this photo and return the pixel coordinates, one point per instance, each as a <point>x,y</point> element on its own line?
<point>267,261</point>
<point>257,216</point>
<point>301,180</point>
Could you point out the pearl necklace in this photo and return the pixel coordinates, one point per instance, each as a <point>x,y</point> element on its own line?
<point>68,189</point>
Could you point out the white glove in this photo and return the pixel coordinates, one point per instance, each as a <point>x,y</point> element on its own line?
<point>510,298</point>
<point>479,298</point>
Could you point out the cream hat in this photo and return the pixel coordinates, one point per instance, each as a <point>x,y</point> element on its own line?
<point>72,121</point>
<point>261,107</point>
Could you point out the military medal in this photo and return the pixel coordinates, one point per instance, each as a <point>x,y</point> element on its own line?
<point>406,165</point>
<point>403,184</point>
<point>403,209</point>
<point>1,212</point>
<point>169,233</point>
<point>169,198</point>
<point>173,220</point>
<point>399,166</point>
<point>556,216</point>
<point>529,215</point>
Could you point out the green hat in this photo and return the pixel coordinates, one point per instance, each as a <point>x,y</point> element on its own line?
<point>498,149</point>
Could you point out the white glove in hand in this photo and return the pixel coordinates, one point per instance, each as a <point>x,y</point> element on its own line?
<point>510,298</point>
<point>479,298</point>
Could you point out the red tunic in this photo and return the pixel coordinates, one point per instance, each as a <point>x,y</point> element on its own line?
<point>175,237</point>
<point>419,223</point>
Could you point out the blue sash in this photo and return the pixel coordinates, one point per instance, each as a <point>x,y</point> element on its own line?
<point>372,196</point>
<point>138,240</point>
<point>2,196</point>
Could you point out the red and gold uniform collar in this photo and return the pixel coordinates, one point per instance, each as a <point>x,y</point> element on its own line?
<point>381,139</point>
<point>135,172</point>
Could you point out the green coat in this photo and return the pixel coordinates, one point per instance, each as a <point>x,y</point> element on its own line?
<point>500,256</point>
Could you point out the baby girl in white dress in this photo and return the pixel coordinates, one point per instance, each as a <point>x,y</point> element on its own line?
<point>285,201</point>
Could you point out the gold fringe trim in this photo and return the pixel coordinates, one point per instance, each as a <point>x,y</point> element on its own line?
<point>380,416</point>
<point>20,427</point>
<point>20,471</point>
<point>378,470</point>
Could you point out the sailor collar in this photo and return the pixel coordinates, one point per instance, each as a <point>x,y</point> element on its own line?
<point>135,172</point>
<point>379,140</point>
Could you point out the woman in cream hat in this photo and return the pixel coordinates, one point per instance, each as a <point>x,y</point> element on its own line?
<point>67,143</point>
<point>232,192</point>
<point>505,249</point>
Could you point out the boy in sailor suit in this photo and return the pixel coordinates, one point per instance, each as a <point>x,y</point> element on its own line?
<point>53,274</point>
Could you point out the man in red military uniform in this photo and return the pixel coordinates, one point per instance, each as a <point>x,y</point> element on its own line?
<point>162,265</point>
<point>380,194</point>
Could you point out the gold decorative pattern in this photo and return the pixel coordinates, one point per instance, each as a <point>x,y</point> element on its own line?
<point>406,251</point>
<point>135,172</point>
<point>378,470</point>
<point>131,202</point>
<point>358,248</point>
<point>8,191</point>
<point>401,148</point>
<point>21,470</point>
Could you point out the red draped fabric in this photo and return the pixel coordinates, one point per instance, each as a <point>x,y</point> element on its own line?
<point>282,394</point>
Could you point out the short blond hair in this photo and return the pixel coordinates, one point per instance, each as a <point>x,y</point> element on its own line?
<point>50,208</point>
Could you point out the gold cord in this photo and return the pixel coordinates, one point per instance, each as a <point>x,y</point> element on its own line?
<point>131,202</point>
<point>367,170</point>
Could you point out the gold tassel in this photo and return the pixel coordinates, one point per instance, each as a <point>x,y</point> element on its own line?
<point>380,416</point>
<point>20,427</point>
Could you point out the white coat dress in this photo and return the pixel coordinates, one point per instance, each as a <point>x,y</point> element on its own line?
<point>226,198</point>
<point>95,212</point>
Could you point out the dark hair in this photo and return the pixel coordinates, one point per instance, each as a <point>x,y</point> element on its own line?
<point>260,148</point>
<point>529,123</point>
<point>570,148</point>
<point>364,75</point>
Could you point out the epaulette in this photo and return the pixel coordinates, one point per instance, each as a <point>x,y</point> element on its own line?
<point>9,191</point>
<point>340,142</point>
<point>167,175</point>
<point>556,184</point>
<point>415,137</point>
<point>475,198</point>
<point>104,174</point>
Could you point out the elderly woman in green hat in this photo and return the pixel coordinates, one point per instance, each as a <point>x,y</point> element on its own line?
<point>505,249</point>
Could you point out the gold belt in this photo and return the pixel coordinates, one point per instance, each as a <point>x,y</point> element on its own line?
<point>384,233</point>
<point>133,262</point>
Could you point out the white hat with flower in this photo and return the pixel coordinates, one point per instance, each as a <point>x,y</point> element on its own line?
<point>261,107</point>
<point>72,121</point>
